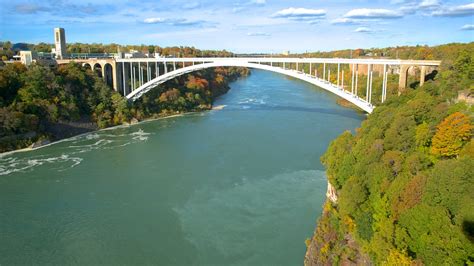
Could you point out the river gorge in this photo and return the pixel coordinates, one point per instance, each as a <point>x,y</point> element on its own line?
<point>242,185</point>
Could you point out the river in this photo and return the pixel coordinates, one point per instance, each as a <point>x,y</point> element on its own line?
<point>237,186</point>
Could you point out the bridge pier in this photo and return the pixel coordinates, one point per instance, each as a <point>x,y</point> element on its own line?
<point>403,77</point>
<point>402,80</point>
<point>422,75</point>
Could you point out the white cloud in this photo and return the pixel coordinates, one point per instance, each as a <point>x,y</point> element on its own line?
<point>239,7</point>
<point>468,27</point>
<point>351,21</point>
<point>343,21</point>
<point>373,13</point>
<point>456,11</point>
<point>177,22</point>
<point>363,30</point>
<point>311,16</point>
<point>154,20</point>
<point>299,12</point>
<point>429,4</point>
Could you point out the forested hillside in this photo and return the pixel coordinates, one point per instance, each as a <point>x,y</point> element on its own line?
<point>42,104</point>
<point>405,180</point>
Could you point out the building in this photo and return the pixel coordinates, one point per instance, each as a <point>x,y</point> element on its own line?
<point>26,57</point>
<point>60,43</point>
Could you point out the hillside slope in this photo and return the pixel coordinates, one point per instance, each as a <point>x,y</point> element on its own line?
<point>404,180</point>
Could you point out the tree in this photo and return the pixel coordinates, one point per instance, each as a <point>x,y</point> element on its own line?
<point>452,133</point>
<point>10,82</point>
<point>423,135</point>
<point>431,236</point>
<point>195,83</point>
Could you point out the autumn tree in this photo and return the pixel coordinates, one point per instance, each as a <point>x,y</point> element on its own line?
<point>451,134</point>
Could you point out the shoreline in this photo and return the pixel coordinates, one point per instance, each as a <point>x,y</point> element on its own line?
<point>27,149</point>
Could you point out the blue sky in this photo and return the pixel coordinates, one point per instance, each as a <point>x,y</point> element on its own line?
<point>242,25</point>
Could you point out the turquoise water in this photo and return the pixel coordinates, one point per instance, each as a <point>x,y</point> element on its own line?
<point>237,186</point>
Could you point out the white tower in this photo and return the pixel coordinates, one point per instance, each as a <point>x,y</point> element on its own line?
<point>60,42</point>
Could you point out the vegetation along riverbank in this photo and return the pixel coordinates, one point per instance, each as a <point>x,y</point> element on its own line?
<point>404,180</point>
<point>39,104</point>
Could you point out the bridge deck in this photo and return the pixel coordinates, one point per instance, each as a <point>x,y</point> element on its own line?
<point>361,61</point>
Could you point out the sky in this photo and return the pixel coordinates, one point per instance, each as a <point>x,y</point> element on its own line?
<point>242,26</point>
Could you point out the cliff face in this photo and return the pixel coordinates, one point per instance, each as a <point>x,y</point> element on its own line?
<point>328,246</point>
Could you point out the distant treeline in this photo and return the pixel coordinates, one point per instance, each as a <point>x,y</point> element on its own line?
<point>98,48</point>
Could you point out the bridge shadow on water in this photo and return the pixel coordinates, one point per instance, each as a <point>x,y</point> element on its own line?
<point>347,113</point>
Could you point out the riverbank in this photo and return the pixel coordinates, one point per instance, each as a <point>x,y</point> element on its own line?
<point>78,102</point>
<point>151,119</point>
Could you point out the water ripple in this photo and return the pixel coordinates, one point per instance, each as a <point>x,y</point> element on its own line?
<point>69,157</point>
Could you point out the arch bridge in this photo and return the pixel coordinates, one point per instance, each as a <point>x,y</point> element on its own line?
<point>133,77</point>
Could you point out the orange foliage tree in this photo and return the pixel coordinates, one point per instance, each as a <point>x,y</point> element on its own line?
<point>195,83</point>
<point>451,134</point>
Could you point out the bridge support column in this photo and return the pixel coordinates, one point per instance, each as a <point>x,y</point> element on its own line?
<point>338,69</point>
<point>353,77</point>
<point>310,69</point>
<point>329,75</point>
<point>102,66</point>
<point>148,71</point>
<point>369,69</point>
<point>157,70</point>
<point>123,79</point>
<point>384,83</point>
<point>174,66</point>
<point>402,80</point>
<point>357,80</point>
<point>115,81</point>
<point>166,68</point>
<point>140,73</point>
<point>134,78</point>
<point>370,87</point>
<point>297,68</point>
<point>324,71</point>
<point>342,80</point>
<point>422,75</point>
<point>131,77</point>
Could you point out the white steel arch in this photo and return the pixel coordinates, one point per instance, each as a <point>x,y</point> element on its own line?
<point>326,85</point>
